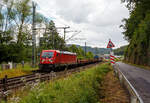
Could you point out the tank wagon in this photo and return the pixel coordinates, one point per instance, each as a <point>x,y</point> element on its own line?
<point>55,59</point>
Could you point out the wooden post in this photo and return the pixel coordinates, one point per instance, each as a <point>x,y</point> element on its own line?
<point>2,67</point>
<point>5,88</point>
<point>5,83</point>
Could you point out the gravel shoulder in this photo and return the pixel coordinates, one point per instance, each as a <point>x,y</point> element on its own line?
<point>113,92</point>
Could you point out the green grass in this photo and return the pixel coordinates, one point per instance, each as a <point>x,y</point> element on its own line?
<point>19,71</point>
<point>27,67</point>
<point>83,87</point>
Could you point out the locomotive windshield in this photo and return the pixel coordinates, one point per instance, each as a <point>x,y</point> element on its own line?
<point>47,54</point>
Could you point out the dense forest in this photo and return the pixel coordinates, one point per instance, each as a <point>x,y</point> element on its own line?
<point>16,33</point>
<point>137,32</point>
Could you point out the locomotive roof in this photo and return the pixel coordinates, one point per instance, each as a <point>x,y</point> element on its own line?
<point>66,52</point>
<point>63,52</point>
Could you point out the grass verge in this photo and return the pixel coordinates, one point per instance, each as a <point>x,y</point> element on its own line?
<point>19,71</point>
<point>112,91</point>
<point>81,87</point>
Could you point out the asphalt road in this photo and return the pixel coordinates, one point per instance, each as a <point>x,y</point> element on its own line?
<point>139,78</point>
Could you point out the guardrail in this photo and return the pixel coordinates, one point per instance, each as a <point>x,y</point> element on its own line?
<point>134,96</point>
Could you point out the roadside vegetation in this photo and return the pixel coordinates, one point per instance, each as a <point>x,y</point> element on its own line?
<point>112,91</point>
<point>83,87</point>
<point>136,31</point>
<point>19,71</point>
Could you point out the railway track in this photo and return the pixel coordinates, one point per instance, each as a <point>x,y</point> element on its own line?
<point>7,84</point>
<point>12,83</point>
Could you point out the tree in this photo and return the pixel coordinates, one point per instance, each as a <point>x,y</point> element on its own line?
<point>15,20</point>
<point>73,48</point>
<point>80,52</point>
<point>13,52</point>
<point>51,38</point>
<point>22,16</point>
<point>5,22</point>
<point>89,55</point>
<point>136,31</point>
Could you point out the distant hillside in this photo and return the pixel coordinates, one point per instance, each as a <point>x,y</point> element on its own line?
<point>120,51</point>
<point>94,50</point>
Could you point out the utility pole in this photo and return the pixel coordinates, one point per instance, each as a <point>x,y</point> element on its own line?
<point>33,37</point>
<point>85,49</point>
<point>64,30</point>
<point>53,38</point>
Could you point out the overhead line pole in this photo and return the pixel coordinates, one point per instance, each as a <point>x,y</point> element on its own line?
<point>53,38</point>
<point>33,37</point>
<point>64,30</point>
<point>85,49</point>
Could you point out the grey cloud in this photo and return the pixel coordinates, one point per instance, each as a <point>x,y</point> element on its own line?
<point>74,10</point>
<point>112,15</point>
<point>99,20</point>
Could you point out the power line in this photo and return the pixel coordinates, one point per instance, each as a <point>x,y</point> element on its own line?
<point>67,27</point>
<point>77,32</point>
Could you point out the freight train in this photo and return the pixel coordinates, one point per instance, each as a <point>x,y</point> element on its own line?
<point>56,60</point>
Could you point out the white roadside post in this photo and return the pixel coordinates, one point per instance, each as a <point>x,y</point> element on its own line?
<point>10,65</point>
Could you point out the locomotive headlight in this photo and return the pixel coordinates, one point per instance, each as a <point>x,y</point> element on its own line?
<point>43,60</point>
<point>50,60</point>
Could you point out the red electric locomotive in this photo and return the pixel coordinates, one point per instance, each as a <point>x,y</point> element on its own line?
<point>50,59</point>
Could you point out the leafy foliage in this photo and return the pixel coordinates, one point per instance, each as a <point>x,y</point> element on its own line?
<point>89,55</point>
<point>137,32</point>
<point>51,39</point>
<point>80,52</point>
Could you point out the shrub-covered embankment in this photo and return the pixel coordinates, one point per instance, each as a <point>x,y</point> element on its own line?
<point>137,32</point>
<point>81,87</point>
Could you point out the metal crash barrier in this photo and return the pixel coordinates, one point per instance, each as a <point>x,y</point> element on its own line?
<point>134,96</point>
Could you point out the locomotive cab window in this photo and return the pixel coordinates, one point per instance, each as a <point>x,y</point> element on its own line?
<point>47,54</point>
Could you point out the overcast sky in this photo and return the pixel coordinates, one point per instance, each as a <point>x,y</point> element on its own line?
<point>98,20</point>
